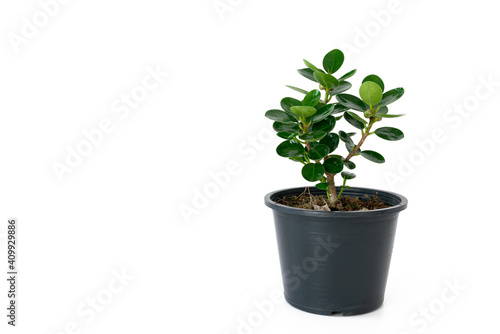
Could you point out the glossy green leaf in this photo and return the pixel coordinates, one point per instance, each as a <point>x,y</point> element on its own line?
<point>307,73</point>
<point>313,172</point>
<point>303,111</point>
<point>349,164</point>
<point>373,156</point>
<point>336,156</point>
<point>290,149</point>
<point>331,140</point>
<point>326,80</point>
<point>348,175</point>
<point>370,93</point>
<point>339,108</point>
<point>346,138</point>
<point>318,151</point>
<point>319,105</point>
<point>286,134</point>
<point>297,89</point>
<point>280,116</point>
<point>289,102</point>
<point>326,125</point>
<point>347,75</point>
<point>389,133</point>
<point>383,110</point>
<point>298,159</point>
<point>322,185</point>
<point>311,66</point>
<point>313,136</point>
<point>333,61</point>
<point>391,96</point>
<point>322,113</point>
<point>374,78</point>
<point>351,147</point>
<point>282,127</point>
<point>351,102</point>
<point>387,115</point>
<point>333,165</point>
<point>354,120</point>
<point>312,98</point>
<point>342,87</point>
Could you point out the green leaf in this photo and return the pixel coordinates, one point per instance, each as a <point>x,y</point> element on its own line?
<point>322,185</point>
<point>370,93</point>
<point>342,87</point>
<point>298,159</point>
<point>311,66</point>
<point>352,102</point>
<point>313,172</point>
<point>333,165</point>
<point>346,138</point>
<point>326,80</point>
<point>289,102</point>
<point>318,151</point>
<point>375,79</point>
<point>389,133</point>
<point>331,140</point>
<point>300,90</point>
<point>347,75</point>
<point>303,111</point>
<point>354,120</point>
<point>307,73</point>
<point>348,175</point>
<point>322,113</point>
<point>333,61</point>
<point>319,105</point>
<point>391,96</point>
<point>326,125</point>
<point>383,110</point>
<point>312,98</point>
<point>286,134</point>
<point>313,136</point>
<point>280,116</point>
<point>373,156</point>
<point>336,156</point>
<point>290,149</point>
<point>351,147</point>
<point>281,127</point>
<point>349,164</point>
<point>387,115</point>
<point>339,108</point>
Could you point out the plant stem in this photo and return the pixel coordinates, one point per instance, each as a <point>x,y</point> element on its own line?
<point>305,130</point>
<point>330,178</point>
<point>327,96</point>
<point>343,187</point>
<point>365,135</point>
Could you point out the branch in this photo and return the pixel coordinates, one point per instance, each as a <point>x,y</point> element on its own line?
<point>366,134</point>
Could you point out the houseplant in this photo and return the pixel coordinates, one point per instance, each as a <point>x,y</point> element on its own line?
<point>335,242</point>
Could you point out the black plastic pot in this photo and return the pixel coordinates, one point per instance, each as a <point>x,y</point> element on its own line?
<point>335,262</point>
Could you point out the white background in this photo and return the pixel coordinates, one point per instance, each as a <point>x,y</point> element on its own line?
<point>119,209</point>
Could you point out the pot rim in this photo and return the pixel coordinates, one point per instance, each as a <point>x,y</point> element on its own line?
<point>401,203</point>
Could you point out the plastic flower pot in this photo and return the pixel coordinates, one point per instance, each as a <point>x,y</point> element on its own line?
<point>338,261</point>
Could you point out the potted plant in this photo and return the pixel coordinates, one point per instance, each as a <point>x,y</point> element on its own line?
<point>334,241</point>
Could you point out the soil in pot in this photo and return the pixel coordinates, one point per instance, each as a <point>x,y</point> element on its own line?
<point>320,202</point>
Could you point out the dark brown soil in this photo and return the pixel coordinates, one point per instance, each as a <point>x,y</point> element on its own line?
<point>313,202</point>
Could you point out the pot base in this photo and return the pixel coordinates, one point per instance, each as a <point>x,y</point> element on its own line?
<point>344,312</point>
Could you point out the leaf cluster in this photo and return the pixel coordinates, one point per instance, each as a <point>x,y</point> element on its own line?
<point>307,125</point>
